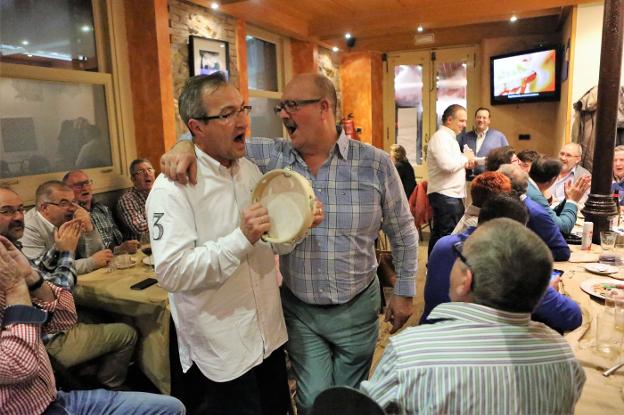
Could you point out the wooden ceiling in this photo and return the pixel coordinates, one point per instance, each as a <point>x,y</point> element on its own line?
<point>387,25</point>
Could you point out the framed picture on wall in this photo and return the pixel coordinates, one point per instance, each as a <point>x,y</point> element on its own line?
<point>208,56</point>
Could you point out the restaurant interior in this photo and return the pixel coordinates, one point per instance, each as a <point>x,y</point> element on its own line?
<point>95,84</point>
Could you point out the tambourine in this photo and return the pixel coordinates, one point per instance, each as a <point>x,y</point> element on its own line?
<point>289,198</point>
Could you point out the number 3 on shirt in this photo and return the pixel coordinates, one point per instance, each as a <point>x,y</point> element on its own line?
<point>158,228</point>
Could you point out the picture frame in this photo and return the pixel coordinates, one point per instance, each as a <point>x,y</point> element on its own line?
<point>207,56</point>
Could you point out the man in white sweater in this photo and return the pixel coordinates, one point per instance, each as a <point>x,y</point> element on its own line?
<point>447,176</point>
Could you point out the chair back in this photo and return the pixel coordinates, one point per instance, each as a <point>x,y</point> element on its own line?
<point>344,401</point>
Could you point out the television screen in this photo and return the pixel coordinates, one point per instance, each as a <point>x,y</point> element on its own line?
<point>526,76</point>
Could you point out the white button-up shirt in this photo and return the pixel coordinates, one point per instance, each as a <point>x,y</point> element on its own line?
<point>445,165</point>
<point>224,295</point>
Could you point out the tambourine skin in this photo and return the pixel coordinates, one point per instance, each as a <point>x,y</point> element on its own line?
<point>289,198</point>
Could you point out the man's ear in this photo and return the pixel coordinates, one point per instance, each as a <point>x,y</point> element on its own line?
<point>195,126</point>
<point>463,289</point>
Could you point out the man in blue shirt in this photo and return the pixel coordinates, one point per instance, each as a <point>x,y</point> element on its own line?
<point>555,310</point>
<point>330,293</point>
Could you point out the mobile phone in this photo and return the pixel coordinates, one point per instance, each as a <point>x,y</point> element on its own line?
<point>555,273</point>
<point>141,285</point>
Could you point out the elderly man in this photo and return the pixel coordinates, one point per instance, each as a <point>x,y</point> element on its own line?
<point>482,139</point>
<point>55,205</point>
<point>101,215</point>
<point>618,173</point>
<point>131,205</point>
<point>555,310</point>
<point>219,268</point>
<point>447,175</point>
<point>543,174</point>
<point>571,171</point>
<point>29,306</point>
<point>331,296</point>
<point>499,277</point>
<point>113,344</point>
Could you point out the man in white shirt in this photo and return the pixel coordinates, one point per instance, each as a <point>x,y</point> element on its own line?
<point>571,171</point>
<point>221,277</point>
<point>447,176</point>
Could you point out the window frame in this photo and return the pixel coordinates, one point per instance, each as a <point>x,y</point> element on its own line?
<point>114,75</point>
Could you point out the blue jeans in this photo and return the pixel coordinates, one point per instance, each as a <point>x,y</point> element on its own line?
<point>104,402</point>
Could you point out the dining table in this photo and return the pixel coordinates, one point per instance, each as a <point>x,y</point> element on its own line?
<point>108,290</point>
<point>601,395</point>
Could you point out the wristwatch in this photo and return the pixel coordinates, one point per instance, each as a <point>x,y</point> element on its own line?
<point>19,313</point>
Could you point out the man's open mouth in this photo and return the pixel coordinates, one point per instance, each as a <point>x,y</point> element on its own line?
<point>291,127</point>
<point>240,138</point>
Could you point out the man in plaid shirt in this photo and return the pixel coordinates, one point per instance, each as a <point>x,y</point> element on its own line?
<point>131,205</point>
<point>101,215</point>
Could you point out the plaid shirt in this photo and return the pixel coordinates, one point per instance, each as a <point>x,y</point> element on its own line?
<point>57,267</point>
<point>103,221</point>
<point>131,212</point>
<point>361,192</point>
<point>26,379</point>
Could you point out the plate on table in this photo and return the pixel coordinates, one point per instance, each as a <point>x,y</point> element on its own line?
<point>148,260</point>
<point>598,286</point>
<point>125,265</point>
<point>601,269</point>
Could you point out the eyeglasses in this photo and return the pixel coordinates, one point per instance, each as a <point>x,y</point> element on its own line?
<point>10,211</point>
<point>144,172</point>
<point>82,184</point>
<point>458,248</point>
<point>292,105</point>
<point>64,204</point>
<point>228,116</point>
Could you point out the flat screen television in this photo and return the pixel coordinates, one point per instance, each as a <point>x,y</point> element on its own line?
<point>526,76</point>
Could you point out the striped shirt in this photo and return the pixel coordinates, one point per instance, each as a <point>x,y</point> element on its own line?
<point>103,221</point>
<point>361,192</point>
<point>477,360</point>
<point>131,212</point>
<point>26,379</point>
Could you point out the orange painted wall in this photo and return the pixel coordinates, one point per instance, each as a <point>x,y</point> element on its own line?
<point>149,54</point>
<point>304,56</point>
<point>361,84</point>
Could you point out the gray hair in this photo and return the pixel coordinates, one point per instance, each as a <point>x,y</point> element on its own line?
<point>326,88</point>
<point>511,266</point>
<point>576,147</point>
<point>519,178</point>
<point>44,191</point>
<point>191,103</point>
<point>135,163</point>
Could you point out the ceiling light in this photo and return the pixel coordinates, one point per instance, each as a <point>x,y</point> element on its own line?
<point>85,28</point>
<point>335,49</point>
<point>420,28</point>
<point>25,42</point>
<point>347,35</point>
<point>513,18</point>
<point>248,37</point>
<point>214,5</point>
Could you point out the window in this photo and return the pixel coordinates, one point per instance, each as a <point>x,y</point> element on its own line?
<point>62,103</point>
<point>264,63</point>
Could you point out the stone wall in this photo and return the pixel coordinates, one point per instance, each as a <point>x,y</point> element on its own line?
<point>329,65</point>
<point>187,19</point>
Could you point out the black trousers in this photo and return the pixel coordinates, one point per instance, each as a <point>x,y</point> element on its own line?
<point>263,390</point>
<point>447,211</point>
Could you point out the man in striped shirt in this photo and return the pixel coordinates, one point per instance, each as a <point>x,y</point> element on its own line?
<point>484,355</point>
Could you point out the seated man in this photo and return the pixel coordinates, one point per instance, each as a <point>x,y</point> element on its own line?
<point>499,277</point>
<point>618,174</point>
<point>101,215</point>
<point>55,205</point>
<point>555,310</point>
<point>571,171</point>
<point>113,343</point>
<point>544,172</point>
<point>540,220</point>
<point>482,188</point>
<point>28,307</point>
<point>131,205</point>
<point>527,157</point>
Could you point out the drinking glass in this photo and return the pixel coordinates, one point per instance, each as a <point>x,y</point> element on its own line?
<point>608,339</point>
<point>607,240</point>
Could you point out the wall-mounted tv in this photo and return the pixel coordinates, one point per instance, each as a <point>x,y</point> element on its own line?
<point>526,76</point>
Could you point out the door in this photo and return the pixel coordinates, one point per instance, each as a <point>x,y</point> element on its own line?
<point>418,86</point>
